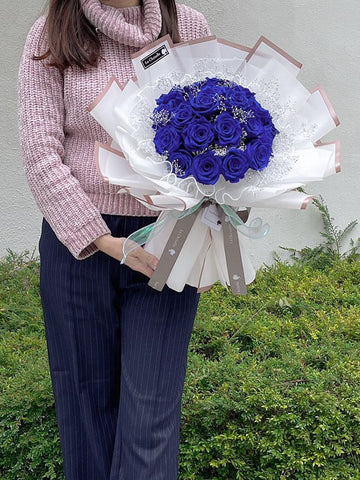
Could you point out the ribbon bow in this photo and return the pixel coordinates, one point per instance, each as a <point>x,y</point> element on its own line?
<point>231,222</point>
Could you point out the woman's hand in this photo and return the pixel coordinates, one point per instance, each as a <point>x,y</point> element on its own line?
<point>138,260</point>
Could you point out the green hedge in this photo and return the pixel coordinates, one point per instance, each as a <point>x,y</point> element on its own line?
<point>272,388</point>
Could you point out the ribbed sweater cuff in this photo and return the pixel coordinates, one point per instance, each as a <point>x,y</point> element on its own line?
<point>81,243</point>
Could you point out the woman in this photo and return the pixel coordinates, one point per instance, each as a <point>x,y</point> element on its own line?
<point>117,349</point>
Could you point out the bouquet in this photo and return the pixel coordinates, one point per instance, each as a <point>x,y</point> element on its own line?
<point>205,131</point>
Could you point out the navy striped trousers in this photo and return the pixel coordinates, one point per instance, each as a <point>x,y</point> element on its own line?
<point>117,352</point>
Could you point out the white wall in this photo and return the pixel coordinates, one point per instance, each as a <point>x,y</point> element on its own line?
<point>322,34</point>
<point>20,219</point>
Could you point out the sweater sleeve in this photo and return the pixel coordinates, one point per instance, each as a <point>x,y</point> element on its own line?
<point>192,23</point>
<point>206,32</point>
<point>58,194</point>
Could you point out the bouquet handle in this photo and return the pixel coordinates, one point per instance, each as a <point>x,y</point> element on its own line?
<point>233,255</point>
<point>178,237</point>
<point>172,249</point>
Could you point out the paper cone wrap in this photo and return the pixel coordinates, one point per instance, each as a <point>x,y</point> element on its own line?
<point>301,118</point>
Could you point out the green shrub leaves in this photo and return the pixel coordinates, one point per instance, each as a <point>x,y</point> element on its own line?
<point>272,388</point>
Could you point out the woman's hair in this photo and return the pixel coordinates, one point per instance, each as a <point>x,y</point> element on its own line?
<point>72,40</point>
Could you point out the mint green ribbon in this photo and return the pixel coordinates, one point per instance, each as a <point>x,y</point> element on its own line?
<point>141,236</point>
<point>256,229</point>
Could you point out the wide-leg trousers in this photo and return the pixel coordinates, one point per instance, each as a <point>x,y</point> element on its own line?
<point>117,352</point>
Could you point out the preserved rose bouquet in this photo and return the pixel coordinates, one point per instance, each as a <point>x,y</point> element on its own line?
<point>205,131</point>
<point>213,127</point>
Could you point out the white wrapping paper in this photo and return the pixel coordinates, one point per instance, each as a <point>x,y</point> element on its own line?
<point>301,117</point>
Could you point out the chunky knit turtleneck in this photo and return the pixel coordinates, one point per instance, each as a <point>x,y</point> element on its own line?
<point>134,26</point>
<point>57,132</point>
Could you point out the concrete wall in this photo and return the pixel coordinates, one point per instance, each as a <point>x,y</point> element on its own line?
<point>322,34</point>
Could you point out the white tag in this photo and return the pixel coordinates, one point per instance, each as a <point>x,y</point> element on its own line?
<point>211,218</point>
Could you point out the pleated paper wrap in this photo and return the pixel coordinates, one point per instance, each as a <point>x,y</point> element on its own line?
<point>199,234</point>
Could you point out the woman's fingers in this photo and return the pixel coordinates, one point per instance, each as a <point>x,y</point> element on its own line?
<point>149,259</point>
<point>137,259</point>
<point>142,261</point>
<point>136,264</point>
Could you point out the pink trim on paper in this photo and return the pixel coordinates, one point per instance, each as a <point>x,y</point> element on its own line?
<point>327,103</point>
<point>272,45</point>
<point>117,152</point>
<point>204,289</point>
<point>306,202</point>
<point>181,200</point>
<point>122,85</point>
<point>103,93</point>
<point>181,44</point>
<point>319,143</point>
<point>97,147</point>
<point>152,45</point>
<point>104,146</point>
<point>202,40</point>
<point>234,45</point>
<point>337,157</point>
<point>148,199</point>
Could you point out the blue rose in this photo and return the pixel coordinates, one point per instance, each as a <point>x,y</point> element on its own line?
<point>228,130</point>
<point>239,97</point>
<point>206,101</point>
<point>217,84</point>
<point>267,136</point>
<point>182,115</point>
<point>214,82</point>
<point>262,114</point>
<point>194,88</point>
<point>181,161</point>
<point>172,99</point>
<point>206,168</point>
<point>259,154</point>
<point>235,165</point>
<point>271,130</point>
<point>254,127</point>
<point>167,140</point>
<point>198,135</point>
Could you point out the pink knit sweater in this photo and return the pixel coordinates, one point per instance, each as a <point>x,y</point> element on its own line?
<point>57,132</point>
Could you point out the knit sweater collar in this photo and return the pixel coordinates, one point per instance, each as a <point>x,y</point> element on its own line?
<point>134,26</point>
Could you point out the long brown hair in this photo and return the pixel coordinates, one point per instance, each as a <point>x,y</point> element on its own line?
<point>72,40</point>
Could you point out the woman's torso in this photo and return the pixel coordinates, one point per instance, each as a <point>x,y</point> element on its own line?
<point>81,131</point>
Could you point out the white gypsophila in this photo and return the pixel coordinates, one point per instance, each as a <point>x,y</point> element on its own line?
<point>267,94</point>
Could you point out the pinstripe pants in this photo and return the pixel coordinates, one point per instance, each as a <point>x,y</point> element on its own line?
<point>117,352</point>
